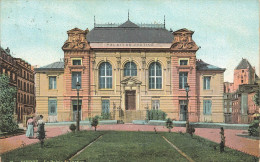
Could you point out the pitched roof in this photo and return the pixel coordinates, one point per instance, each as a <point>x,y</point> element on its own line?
<point>51,67</point>
<point>201,65</point>
<point>129,32</point>
<point>244,64</point>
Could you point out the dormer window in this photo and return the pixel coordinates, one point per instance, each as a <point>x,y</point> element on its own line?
<point>76,61</point>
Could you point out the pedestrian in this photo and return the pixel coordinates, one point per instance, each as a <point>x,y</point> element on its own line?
<point>222,143</point>
<point>40,130</point>
<point>30,125</point>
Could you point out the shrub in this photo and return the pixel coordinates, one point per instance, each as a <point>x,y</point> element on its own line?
<point>155,115</point>
<point>169,124</point>
<point>73,127</point>
<point>254,128</point>
<point>94,122</point>
<point>191,130</point>
<point>106,116</point>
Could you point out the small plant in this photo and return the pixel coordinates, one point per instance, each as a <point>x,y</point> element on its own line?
<point>254,128</point>
<point>169,124</point>
<point>191,130</point>
<point>155,115</point>
<point>73,127</point>
<point>106,116</point>
<point>94,122</point>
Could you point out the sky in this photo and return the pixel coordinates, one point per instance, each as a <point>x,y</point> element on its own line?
<point>226,30</point>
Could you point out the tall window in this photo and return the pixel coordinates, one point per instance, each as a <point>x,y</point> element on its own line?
<point>155,76</point>
<point>76,77</point>
<point>130,69</point>
<point>52,106</point>
<point>183,76</point>
<point>206,82</point>
<point>105,75</point>
<point>105,106</point>
<point>52,82</point>
<point>155,104</point>
<point>207,107</point>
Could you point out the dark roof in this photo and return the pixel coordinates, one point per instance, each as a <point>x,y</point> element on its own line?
<point>244,64</point>
<point>201,65</point>
<point>53,66</point>
<point>129,32</point>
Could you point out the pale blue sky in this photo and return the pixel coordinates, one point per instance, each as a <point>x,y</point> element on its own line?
<point>226,30</point>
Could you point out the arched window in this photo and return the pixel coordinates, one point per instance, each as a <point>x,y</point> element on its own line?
<point>155,76</point>
<point>105,75</point>
<point>130,69</point>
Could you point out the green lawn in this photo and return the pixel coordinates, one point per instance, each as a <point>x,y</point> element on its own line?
<point>130,146</point>
<point>126,146</point>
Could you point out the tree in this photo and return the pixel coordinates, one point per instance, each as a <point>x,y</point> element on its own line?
<point>257,98</point>
<point>94,122</point>
<point>7,105</point>
<point>169,124</point>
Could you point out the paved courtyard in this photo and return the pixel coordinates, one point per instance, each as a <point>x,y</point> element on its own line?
<point>249,146</point>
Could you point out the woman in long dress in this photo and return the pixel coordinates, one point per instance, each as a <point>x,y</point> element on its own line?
<point>41,131</point>
<point>30,124</point>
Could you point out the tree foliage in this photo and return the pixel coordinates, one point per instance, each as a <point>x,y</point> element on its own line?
<point>94,122</point>
<point>7,105</point>
<point>169,124</point>
<point>257,98</point>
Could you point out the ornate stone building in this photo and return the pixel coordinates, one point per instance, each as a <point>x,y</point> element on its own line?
<point>126,69</point>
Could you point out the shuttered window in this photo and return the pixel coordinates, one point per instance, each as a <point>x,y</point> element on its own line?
<point>105,106</point>
<point>52,104</point>
<point>207,107</point>
<point>52,82</point>
<point>206,82</point>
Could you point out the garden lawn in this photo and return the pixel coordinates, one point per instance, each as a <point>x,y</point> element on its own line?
<point>200,149</point>
<point>57,148</point>
<point>130,146</point>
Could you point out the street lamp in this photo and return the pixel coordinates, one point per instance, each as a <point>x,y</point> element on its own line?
<point>187,89</point>
<point>78,87</point>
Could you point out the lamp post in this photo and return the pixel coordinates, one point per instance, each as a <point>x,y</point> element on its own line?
<point>187,89</point>
<point>78,87</point>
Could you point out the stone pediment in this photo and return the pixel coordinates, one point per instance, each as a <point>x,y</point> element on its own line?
<point>131,81</point>
<point>183,40</point>
<point>76,40</point>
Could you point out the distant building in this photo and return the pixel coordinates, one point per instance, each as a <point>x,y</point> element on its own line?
<point>126,69</point>
<point>22,77</point>
<point>244,73</point>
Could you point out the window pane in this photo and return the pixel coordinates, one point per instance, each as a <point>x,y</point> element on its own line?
<point>102,82</point>
<point>183,62</point>
<point>151,83</point>
<point>105,106</point>
<point>158,83</point>
<point>151,70</point>
<point>158,69</point>
<point>109,82</point>
<point>108,69</point>
<point>76,62</point>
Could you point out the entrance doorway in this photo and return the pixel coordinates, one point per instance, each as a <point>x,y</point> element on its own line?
<point>183,110</point>
<point>130,100</point>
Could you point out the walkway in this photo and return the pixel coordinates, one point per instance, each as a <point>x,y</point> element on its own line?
<point>246,145</point>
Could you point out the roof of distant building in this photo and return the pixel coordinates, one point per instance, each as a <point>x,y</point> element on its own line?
<point>129,32</point>
<point>53,66</point>
<point>201,65</point>
<point>244,64</point>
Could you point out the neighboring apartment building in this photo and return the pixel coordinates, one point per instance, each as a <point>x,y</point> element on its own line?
<point>129,68</point>
<point>22,77</point>
<point>49,92</point>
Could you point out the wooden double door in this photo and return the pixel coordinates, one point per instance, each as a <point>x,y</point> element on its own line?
<point>130,97</point>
